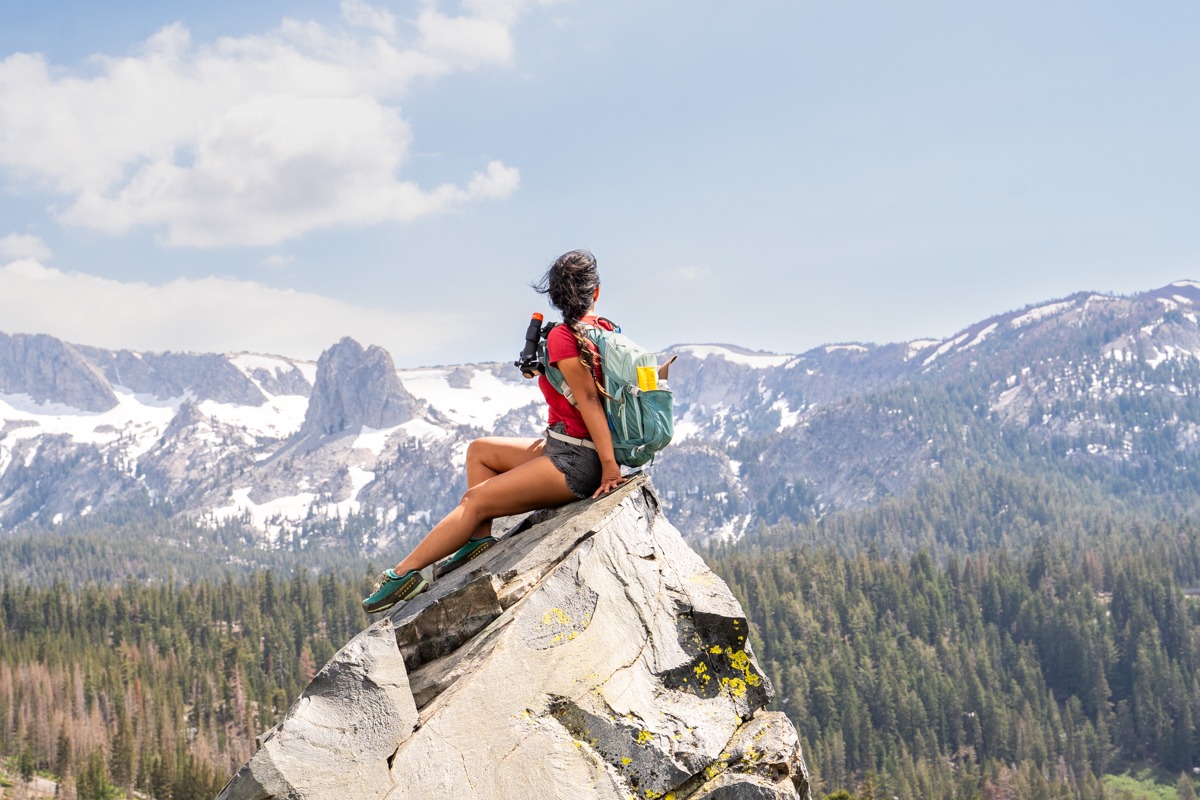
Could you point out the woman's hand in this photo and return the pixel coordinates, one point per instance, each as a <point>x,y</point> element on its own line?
<point>610,478</point>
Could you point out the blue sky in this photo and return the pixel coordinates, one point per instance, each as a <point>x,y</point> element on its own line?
<point>271,176</point>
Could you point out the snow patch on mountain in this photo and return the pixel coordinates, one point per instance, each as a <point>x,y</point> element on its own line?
<point>294,508</point>
<point>479,400</point>
<point>373,440</point>
<point>1041,313</point>
<point>946,347</point>
<point>359,479</point>
<point>424,429</point>
<point>687,426</point>
<point>1167,353</point>
<point>918,346</point>
<point>137,420</point>
<point>733,529</point>
<point>787,417</point>
<point>983,334</point>
<point>459,459</point>
<point>278,418</point>
<point>745,358</point>
<point>250,363</point>
<point>376,440</point>
<point>279,514</point>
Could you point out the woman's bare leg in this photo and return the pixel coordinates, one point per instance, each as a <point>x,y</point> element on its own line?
<point>493,455</point>
<point>535,484</point>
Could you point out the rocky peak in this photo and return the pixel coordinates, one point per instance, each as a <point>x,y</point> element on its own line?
<point>589,654</point>
<point>355,388</point>
<point>51,371</point>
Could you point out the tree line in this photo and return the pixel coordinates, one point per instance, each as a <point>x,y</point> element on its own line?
<point>985,676</point>
<point>160,689</point>
<point>994,674</point>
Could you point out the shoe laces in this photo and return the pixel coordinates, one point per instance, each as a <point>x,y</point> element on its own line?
<point>381,580</point>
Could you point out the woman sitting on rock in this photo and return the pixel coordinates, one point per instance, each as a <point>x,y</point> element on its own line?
<point>509,476</point>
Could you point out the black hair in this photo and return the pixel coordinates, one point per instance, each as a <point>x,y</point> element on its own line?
<point>571,283</point>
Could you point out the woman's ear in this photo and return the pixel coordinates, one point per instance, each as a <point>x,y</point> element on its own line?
<point>595,295</point>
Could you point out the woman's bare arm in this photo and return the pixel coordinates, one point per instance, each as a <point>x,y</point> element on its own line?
<point>587,400</point>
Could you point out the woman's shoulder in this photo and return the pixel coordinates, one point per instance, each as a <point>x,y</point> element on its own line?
<point>561,343</point>
<point>560,333</point>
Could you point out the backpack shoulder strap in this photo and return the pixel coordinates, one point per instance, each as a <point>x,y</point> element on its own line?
<point>553,374</point>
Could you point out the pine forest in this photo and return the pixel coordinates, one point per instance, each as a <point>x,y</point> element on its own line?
<point>1052,673</point>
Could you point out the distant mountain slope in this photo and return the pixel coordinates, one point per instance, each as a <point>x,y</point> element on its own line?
<point>283,445</point>
<point>1091,392</point>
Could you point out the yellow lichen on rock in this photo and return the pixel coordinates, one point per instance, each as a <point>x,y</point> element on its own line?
<point>740,661</point>
<point>736,686</point>
<point>555,616</point>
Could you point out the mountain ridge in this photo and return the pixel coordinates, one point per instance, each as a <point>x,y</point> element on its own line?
<point>1097,387</point>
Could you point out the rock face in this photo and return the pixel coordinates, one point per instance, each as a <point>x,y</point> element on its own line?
<point>363,690</point>
<point>590,654</point>
<point>51,371</point>
<point>356,388</point>
<point>202,376</point>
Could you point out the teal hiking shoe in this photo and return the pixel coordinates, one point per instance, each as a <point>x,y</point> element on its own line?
<point>468,552</point>
<point>392,588</point>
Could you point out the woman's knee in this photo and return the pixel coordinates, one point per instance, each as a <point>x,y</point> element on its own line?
<point>476,448</point>
<point>474,504</point>
<point>479,450</point>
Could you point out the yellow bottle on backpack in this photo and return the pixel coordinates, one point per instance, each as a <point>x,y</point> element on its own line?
<point>647,378</point>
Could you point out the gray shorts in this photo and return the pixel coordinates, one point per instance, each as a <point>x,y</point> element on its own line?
<point>580,465</point>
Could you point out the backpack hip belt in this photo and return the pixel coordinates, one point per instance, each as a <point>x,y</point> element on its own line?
<point>562,437</point>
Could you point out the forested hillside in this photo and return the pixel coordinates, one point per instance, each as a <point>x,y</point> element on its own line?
<point>990,675</point>
<point>161,688</point>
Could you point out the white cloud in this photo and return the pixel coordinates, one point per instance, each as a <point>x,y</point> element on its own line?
<point>206,315</point>
<point>471,40</point>
<point>24,245</point>
<point>251,140</point>
<point>359,13</point>
<point>278,261</point>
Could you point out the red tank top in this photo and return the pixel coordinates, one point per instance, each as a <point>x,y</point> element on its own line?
<point>561,344</point>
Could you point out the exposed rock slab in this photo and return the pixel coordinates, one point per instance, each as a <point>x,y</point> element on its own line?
<point>591,654</point>
<point>337,739</point>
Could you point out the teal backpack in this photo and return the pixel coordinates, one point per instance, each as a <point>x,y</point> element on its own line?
<point>640,419</point>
